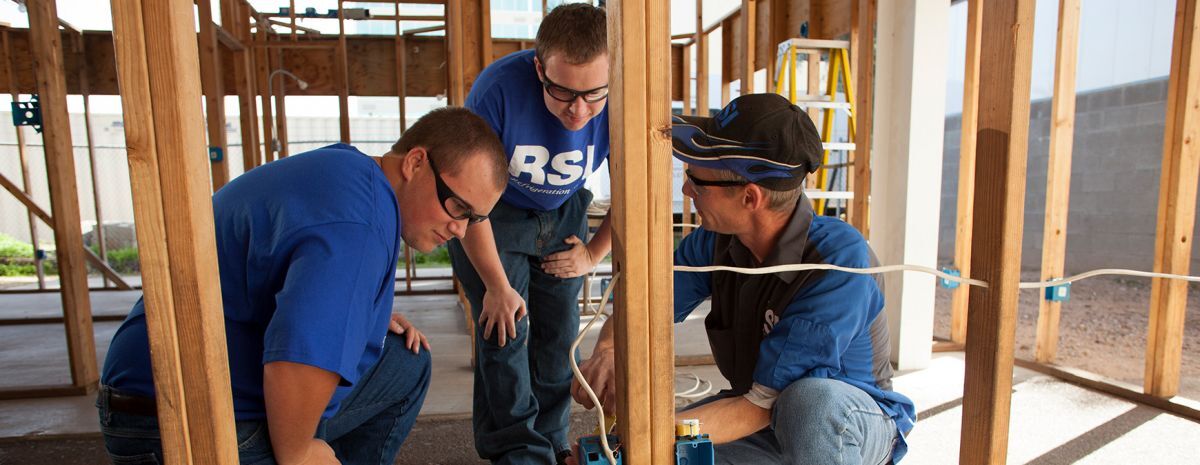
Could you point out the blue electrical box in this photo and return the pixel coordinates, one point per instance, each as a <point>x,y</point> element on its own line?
<point>215,154</point>
<point>591,451</point>
<point>1059,292</point>
<point>946,283</point>
<point>694,450</point>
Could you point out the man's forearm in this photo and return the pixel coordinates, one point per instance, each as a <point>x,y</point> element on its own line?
<point>728,420</point>
<point>296,395</point>
<point>480,246</point>
<point>601,242</point>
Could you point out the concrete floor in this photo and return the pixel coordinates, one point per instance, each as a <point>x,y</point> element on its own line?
<point>1053,422</point>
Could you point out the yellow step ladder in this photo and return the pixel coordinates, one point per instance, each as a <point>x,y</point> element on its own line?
<point>836,55</point>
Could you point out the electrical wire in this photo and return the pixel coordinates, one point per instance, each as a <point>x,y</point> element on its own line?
<point>608,451</point>
<point>928,270</point>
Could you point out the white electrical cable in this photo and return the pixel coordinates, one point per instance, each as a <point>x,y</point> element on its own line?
<point>608,452</point>
<point>826,266</point>
<point>928,270</point>
<point>700,389</point>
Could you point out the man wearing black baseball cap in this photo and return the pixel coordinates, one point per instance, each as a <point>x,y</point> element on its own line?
<point>806,352</point>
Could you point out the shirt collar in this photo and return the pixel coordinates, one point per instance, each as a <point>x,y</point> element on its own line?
<point>790,248</point>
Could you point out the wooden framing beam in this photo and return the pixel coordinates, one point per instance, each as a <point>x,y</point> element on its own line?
<point>101,242</point>
<point>164,132</point>
<point>1184,408</point>
<point>233,16</point>
<point>639,130</point>
<point>685,78</point>
<point>864,14</point>
<point>214,93</point>
<point>46,44</point>
<point>401,85</point>
<point>727,58</point>
<point>1176,207</point>
<point>1007,43</point>
<point>749,49</point>
<point>33,209</point>
<point>262,73</point>
<point>1058,175</point>
<point>455,49</point>
<point>964,219</point>
<point>23,159</point>
<point>343,75</point>
<point>702,107</point>
<point>280,106</point>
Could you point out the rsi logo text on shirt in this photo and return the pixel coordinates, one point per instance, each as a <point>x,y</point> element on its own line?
<point>565,168</point>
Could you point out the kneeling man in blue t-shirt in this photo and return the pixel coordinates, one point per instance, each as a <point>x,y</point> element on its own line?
<point>307,248</point>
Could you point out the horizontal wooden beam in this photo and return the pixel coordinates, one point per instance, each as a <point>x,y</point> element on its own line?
<point>372,61</point>
<point>228,40</point>
<point>1185,408</point>
<point>33,392</point>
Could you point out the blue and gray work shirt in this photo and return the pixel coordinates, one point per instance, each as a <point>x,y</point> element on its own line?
<point>768,331</point>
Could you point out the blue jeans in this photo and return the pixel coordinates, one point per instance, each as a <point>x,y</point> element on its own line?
<point>368,428</point>
<point>522,390</point>
<point>815,421</point>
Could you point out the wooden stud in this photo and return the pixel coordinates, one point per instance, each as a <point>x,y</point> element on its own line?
<point>685,80</point>
<point>233,17</point>
<point>749,50</point>
<point>292,17</point>
<point>639,131</point>
<point>280,105</point>
<point>966,171</point>
<point>1176,208</point>
<point>21,155</point>
<point>262,64</point>
<point>863,56</point>
<point>343,74</point>
<point>702,108</point>
<point>401,75</point>
<point>1178,406</point>
<point>455,49</point>
<point>727,58</point>
<point>46,44</point>
<point>214,92</point>
<point>102,243</point>
<point>1007,42</point>
<point>1058,175</point>
<point>156,46</point>
<point>35,210</point>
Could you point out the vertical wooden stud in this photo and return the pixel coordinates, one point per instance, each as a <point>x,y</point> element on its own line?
<point>1058,175</point>
<point>864,14</point>
<point>1176,208</point>
<point>964,224</point>
<point>46,44</point>
<point>214,92</point>
<point>1007,45</point>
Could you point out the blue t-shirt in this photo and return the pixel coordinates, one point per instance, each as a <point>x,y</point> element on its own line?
<point>307,249</point>
<point>546,162</point>
<point>829,330</point>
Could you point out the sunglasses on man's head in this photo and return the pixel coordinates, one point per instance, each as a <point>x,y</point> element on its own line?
<point>712,183</point>
<point>564,94</point>
<point>454,205</point>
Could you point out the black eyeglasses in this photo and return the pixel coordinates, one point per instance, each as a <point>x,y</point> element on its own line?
<point>712,183</point>
<point>454,205</point>
<point>564,94</point>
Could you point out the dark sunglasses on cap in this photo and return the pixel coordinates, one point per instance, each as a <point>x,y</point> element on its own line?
<point>564,94</point>
<point>712,183</point>
<point>454,205</point>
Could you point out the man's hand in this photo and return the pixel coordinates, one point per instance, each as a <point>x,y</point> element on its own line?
<point>414,339</point>
<point>502,308</point>
<point>317,452</point>
<point>570,263</point>
<point>600,373</point>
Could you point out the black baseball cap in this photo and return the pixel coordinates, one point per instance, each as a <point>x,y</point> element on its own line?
<point>762,137</point>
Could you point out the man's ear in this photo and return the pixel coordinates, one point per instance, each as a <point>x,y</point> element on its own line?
<point>537,65</point>
<point>754,197</point>
<point>411,162</point>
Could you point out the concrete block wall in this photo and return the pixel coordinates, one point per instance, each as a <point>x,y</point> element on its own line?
<point>1115,170</point>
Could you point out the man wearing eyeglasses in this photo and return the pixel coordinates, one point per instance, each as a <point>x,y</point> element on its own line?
<point>806,353</point>
<point>307,248</point>
<point>548,106</point>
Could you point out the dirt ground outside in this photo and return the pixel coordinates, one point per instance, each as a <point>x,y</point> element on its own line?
<point>1102,328</point>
